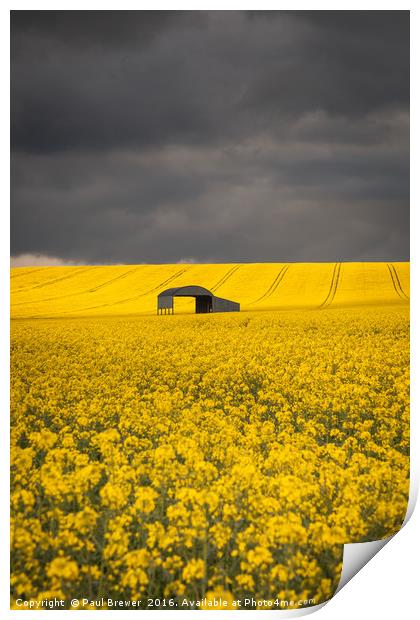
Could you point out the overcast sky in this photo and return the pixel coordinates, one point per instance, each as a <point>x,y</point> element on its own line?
<point>144,136</point>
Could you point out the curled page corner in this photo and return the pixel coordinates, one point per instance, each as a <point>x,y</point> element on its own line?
<point>356,556</point>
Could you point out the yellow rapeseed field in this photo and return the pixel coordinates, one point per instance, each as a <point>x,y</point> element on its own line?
<point>132,289</point>
<point>187,456</point>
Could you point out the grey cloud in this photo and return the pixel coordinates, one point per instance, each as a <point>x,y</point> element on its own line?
<point>195,84</point>
<point>212,204</point>
<point>90,29</point>
<point>217,136</point>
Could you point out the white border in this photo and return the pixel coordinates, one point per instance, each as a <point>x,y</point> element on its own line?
<point>369,585</point>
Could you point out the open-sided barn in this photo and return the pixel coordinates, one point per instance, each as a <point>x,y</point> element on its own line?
<point>205,301</point>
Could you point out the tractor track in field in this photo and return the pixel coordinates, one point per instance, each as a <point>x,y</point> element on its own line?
<point>333,286</point>
<point>226,277</point>
<point>89,290</point>
<point>399,282</point>
<point>54,280</point>
<point>274,285</point>
<point>13,276</point>
<point>396,282</point>
<point>164,283</point>
<point>122,301</point>
<point>108,282</point>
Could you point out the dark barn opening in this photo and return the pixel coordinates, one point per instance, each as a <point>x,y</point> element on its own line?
<point>203,304</point>
<point>205,301</point>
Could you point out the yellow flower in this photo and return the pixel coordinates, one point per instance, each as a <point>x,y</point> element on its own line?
<point>194,570</point>
<point>260,556</point>
<point>145,499</point>
<point>113,496</point>
<point>63,568</point>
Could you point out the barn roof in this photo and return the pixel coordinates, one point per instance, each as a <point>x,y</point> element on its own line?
<point>185,291</point>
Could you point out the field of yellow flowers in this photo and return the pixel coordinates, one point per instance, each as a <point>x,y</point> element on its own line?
<point>173,458</point>
<point>132,289</point>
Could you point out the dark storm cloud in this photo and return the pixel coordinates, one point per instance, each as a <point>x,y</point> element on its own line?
<point>345,62</point>
<point>89,28</point>
<point>153,136</point>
